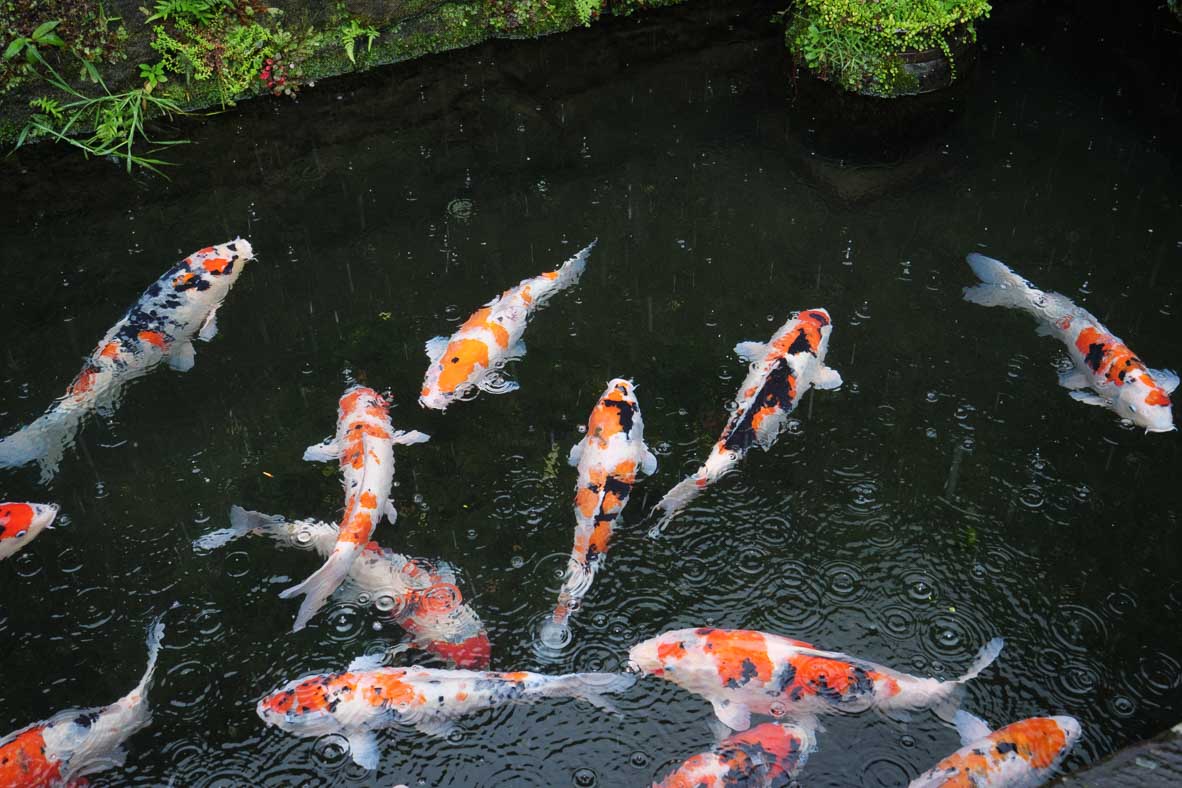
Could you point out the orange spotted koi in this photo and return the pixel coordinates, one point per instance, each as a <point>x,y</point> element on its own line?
<point>20,523</point>
<point>782,370</point>
<point>364,447</point>
<point>1022,755</point>
<point>1101,362</point>
<point>75,743</point>
<point>608,458</point>
<point>423,599</point>
<point>471,360</point>
<point>367,697</point>
<point>766,755</point>
<point>742,672</point>
<point>179,306</point>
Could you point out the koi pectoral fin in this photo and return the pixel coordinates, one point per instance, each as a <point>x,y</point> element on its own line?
<point>209,329</point>
<point>751,351</point>
<point>363,747</point>
<point>496,383</point>
<point>182,357</point>
<point>970,727</point>
<point>734,715</point>
<point>1166,378</point>
<point>436,726</point>
<point>827,379</point>
<point>576,453</point>
<point>410,437</point>
<point>1073,379</point>
<point>434,347</point>
<point>326,451</point>
<point>1088,398</point>
<point>648,465</point>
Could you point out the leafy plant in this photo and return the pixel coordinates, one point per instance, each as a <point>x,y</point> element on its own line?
<point>152,75</point>
<point>858,43</point>
<point>586,9</point>
<point>117,119</point>
<point>352,31</point>
<point>200,11</point>
<point>43,36</point>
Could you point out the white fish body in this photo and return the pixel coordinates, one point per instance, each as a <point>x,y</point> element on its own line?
<point>179,307</point>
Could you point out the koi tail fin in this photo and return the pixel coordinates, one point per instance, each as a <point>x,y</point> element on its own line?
<point>554,632</point>
<point>155,637</point>
<point>321,584</point>
<point>947,709</point>
<point>999,286</point>
<point>242,522</point>
<point>590,687</point>
<point>43,442</point>
<point>573,268</point>
<point>682,494</point>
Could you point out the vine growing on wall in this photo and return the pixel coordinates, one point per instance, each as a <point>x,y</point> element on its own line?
<point>857,43</point>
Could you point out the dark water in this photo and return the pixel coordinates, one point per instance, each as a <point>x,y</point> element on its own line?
<point>948,493</point>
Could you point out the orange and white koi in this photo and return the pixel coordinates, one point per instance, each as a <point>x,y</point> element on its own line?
<point>1024,754</point>
<point>742,672</point>
<point>609,458</point>
<point>422,598</point>
<point>159,327</point>
<point>367,697</point>
<point>20,523</point>
<point>766,755</point>
<point>75,743</point>
<point>1118,379</point>
<point>471,359</point>
<point>364,446</point>
<point>782,370</point>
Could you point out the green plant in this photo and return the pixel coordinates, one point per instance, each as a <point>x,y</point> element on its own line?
<point>200,11</point>
<point>354,30</point>
<point>587,9</point>
<point>116,118</point>
<point>43,36</point>
<point>152,75</point>
<point>858,43</point>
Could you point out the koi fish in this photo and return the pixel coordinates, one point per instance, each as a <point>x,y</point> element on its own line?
<point>1118,379</point>
<point>159,327</point>
<point>367,697</point>
<point>1021,755</point>
<point>364,446</point>
<point>472,358</point>
<point>608,459</point>
<point>743,672</point>
<point>424,600</point>
<point>21,522</point>
<point>74,743</point>
<point>766,755</point>
<point>782,370</point>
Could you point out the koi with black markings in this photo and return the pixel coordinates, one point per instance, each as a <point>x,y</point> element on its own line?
<point>766,755</point>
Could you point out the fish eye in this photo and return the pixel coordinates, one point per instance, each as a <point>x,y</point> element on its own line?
<point>455,359</point>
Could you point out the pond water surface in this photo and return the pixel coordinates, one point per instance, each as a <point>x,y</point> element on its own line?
<point>948,493</point>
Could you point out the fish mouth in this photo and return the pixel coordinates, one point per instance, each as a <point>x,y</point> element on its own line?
<point>1171,428</point>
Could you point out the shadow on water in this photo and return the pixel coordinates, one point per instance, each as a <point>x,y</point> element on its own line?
<point>947,493</point>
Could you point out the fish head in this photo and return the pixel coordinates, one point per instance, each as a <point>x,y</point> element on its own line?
<point>304,705</point>
<point>475,653</point>
<point>358,400</point>
<point>209,273</point>
<point>662,654</point>
<point>24,521</point>
<point>1142,401</point>
<point>1071,730</point>
<point>452,375</point>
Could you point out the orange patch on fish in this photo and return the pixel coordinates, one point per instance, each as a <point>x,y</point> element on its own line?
<point>369,500</point>
<point>152,338</point>
<point>216,265</point>
<point>356,527</point>
<point>1038,740</point>
<point>14,518</point>
<point>668,651</point>
<point>459,361</point>
<point>110,350</point>
<point>735,651</point>
<point>83,383</point>
<point>23,761</point>
<point>1157,397</point>
<point>389,689</point>
<point>600,537</point>
<point>183,279</point>
<point>604,423</point>
<point>969,768</point>
<point>550,275</point>
<point>1088,337</point>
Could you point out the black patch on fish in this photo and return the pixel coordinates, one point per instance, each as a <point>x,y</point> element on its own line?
<point>819,317</point>
<point>776,393</point>
<point>862,683</point>
<point>1005,747</point>
<point>154,290</point>
<point>332,704</point>
<point>784,679</point>
<point>797,693</point>
<point>800,344</point>
<point>749,672</point>
<point>823,689</point>
<point>626,410</point>
<point>232,247</point>
<point>86,720</point>
<point>1095,356</point>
